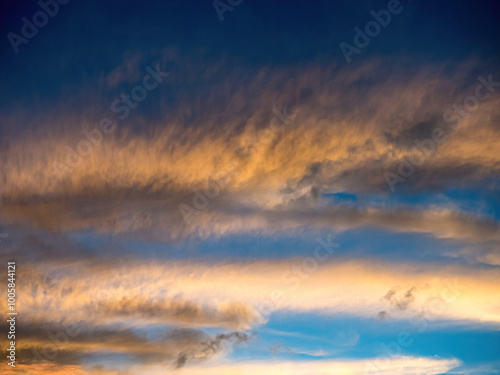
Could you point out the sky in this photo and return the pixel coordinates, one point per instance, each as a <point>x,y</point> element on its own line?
<point>251,187</point>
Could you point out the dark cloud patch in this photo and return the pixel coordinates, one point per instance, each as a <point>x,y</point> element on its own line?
<point>407,135</point>
<point>180,312</point>
<point>209,348</point>
<point>383,315</point>
<point>399,301</point>
<point>390,293</point>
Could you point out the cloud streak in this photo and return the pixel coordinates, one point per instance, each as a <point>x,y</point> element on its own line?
<point>184,294</point>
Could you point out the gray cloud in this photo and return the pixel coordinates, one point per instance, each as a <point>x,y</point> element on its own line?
<point>210,347</point>
<point>399,301</point>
